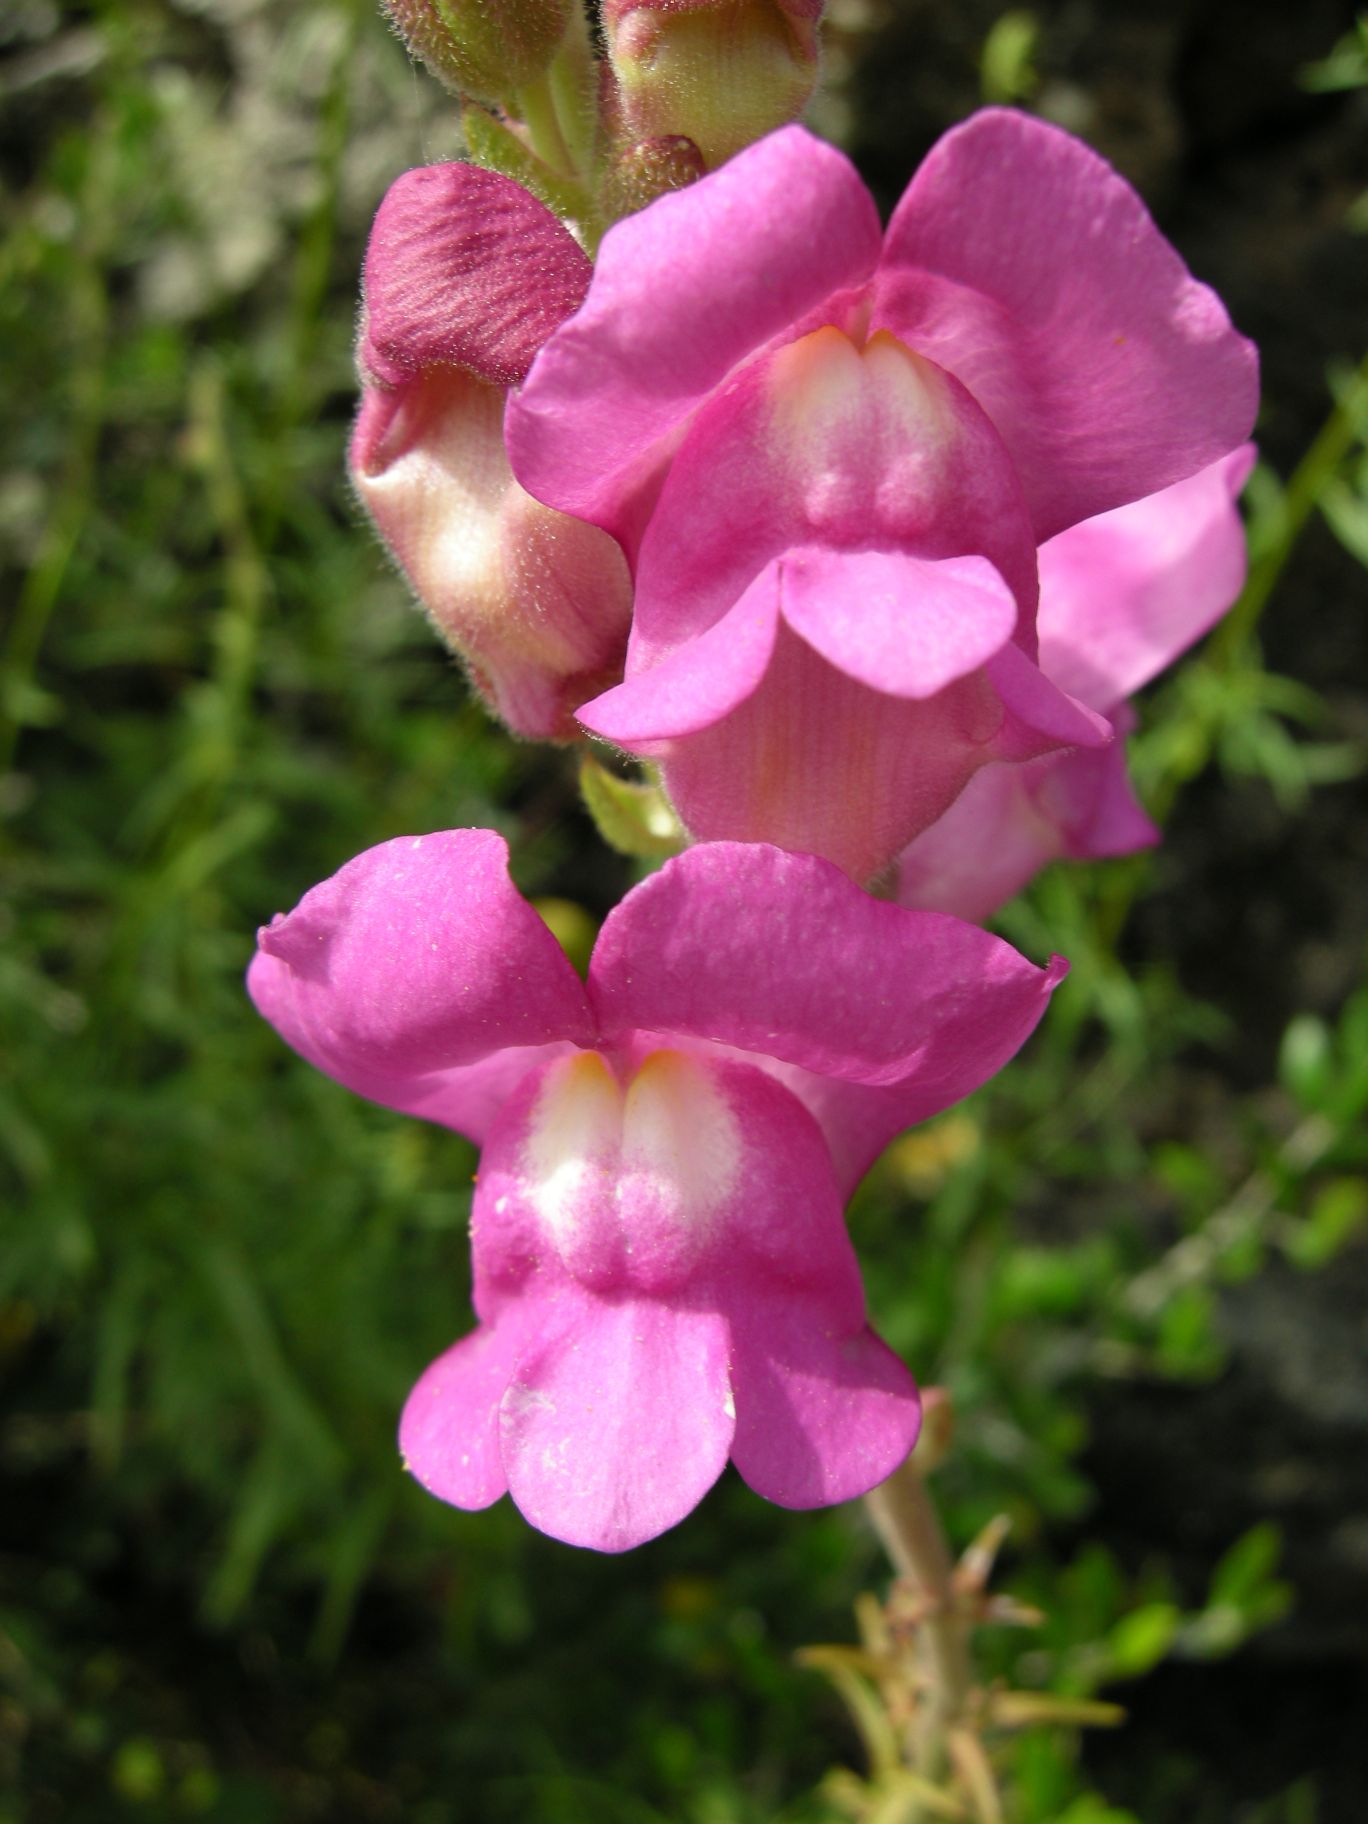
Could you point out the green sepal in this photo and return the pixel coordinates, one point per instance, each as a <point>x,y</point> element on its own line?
<point>633,817</point>
<point>497,148</point>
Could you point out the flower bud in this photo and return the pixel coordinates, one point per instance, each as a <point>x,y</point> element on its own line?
<point>483,48</point>
<point>642,172</point>
<point>719,72</point>
<point>536,603</point>
<point>466,275</point>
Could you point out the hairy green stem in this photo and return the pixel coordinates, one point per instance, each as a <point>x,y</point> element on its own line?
<point>905,1518</point>
<point>574,95</point>
<point>537,105</point>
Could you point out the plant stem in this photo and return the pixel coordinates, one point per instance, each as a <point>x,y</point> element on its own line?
<point>537,105</point>
<point>1303,493</point>
<point>1229,643</point>
<point>573,81</point>
<point>905,1518</point>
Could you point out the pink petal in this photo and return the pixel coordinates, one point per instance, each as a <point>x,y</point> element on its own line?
<point>1010,821</point>
<point>781,956</point>
<point>1123,594</point>
<point>1024,264</point>
<point>1089,796</point>
<point>699,683</point>
<point>653,1177</point>
<point>1037,714</point>
<point>902,625</point>
<point>813,760</point>
<point>464,268</point>
<point>692,1199</point>
<point>683,292</point>
<point>616,1425</point>
<point>415,960</point>
<point>823,1409</point>
<point>826,443</point>
<point>985,848</point>
<point>820,1416</point>
<point>449,1431</point>
<point>471,1097</point>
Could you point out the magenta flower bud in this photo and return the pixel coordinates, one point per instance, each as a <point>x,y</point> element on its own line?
<point>719,72</point>
<point>466,275</point>
<point>478,48</point>
<point>642,172</point>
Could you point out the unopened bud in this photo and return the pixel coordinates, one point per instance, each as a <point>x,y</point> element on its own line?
<point>719,72</point>
<point>642,172</point>
<point>536,603</point>
<point>466,276</point>
<point>487,49</point>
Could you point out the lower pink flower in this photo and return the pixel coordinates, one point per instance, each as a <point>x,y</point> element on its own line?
<point>663,1276</point>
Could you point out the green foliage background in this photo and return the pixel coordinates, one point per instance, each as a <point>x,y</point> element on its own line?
<point>219,1597</point>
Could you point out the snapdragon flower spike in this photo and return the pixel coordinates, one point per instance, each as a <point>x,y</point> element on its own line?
<point>1121,596</point>
<point>831,456</point>
<point>466,275</point>
<point>663,1277</point>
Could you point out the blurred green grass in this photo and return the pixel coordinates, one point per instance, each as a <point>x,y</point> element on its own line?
<point>219,1597</point>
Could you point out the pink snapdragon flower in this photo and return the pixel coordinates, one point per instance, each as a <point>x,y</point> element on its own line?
<point>662,1272</point>
<point>466,275</point>
<point>1120,597</point>
<point>831,455</point>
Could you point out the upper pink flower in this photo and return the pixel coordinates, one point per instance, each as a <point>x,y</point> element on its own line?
<point>831,455</point>
<point>466,276</point>
<point>662,1273</point>
<point>1120,597</point>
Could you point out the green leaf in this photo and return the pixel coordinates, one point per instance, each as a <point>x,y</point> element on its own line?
<point>1188,1346</point>
<point>1305,1064</point>
<point>1248,1565</point>
<point>1337,1215</point>
<point>633,818</point>
<point>1141,1639</point>
<point>1006,71</point>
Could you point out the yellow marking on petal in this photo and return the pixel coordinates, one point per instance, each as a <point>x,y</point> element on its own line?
<point>630,1182</point>
<point>842,414</point>
<point>576,1125</point>
<point>816,385</point>
<point>680,1133</point>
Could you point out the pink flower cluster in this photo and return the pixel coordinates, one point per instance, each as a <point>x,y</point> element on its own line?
<point>865,538</point>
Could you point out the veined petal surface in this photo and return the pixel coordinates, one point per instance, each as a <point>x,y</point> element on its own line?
<point>1023,263</point>
<point>418,958</point>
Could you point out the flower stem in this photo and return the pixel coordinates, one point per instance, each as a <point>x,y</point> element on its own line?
<point>905,1518</point>
<point>537,104</point>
